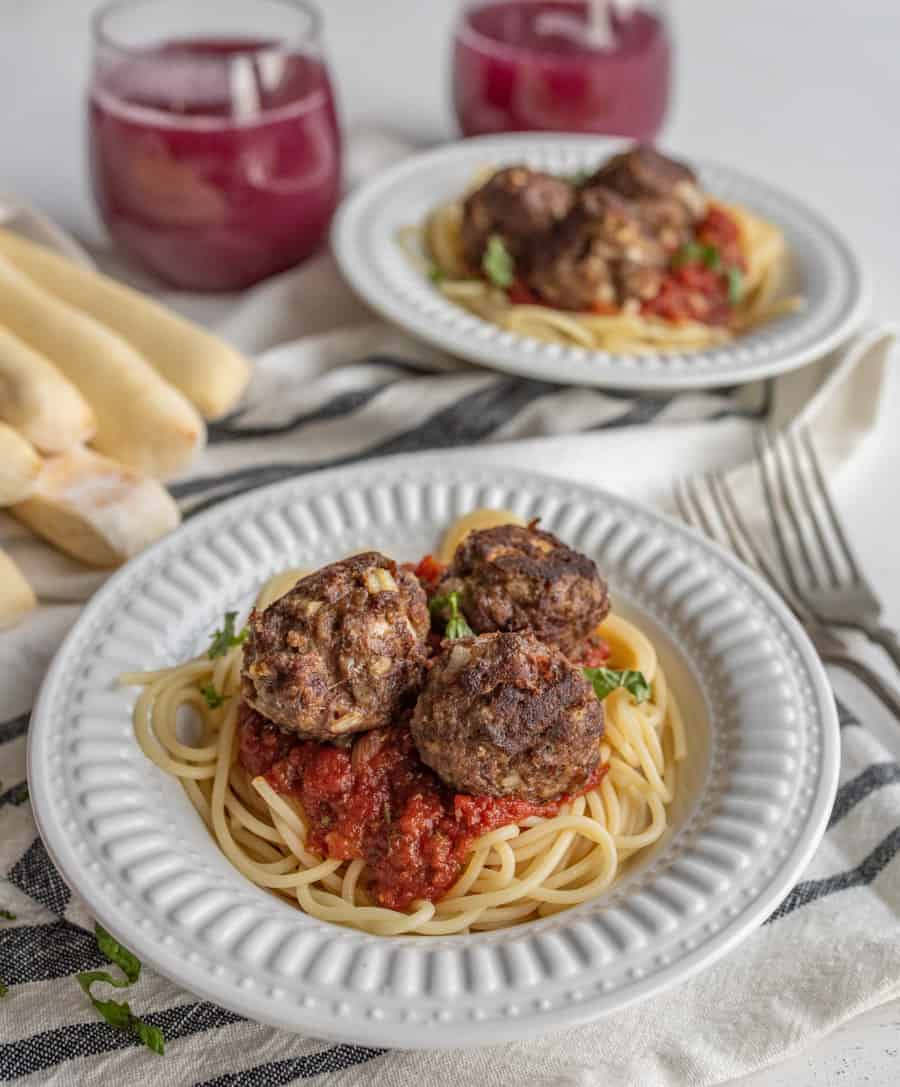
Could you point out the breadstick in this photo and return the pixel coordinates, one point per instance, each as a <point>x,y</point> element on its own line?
<point>16,596</point>
<point>38,401</point>
<point>210,373</point>
<point>20,466</point>
<point>98,511</point>
<point>142,421</point>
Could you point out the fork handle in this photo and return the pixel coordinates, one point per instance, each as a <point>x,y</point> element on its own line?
<point>865,674</point>
<point>886,638</point>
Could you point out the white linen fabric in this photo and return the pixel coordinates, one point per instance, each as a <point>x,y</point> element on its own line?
<point>332,386</point>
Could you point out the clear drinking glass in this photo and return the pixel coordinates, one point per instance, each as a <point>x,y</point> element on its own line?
<point>563,66</point>
<point>214,142</point>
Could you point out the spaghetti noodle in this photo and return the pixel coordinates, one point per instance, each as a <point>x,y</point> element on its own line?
<point>514,873</point>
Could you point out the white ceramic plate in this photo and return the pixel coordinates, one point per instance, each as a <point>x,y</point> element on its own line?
<point>752,803</point>
<point>364,238</point>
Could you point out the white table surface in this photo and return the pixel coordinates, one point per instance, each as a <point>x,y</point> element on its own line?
<point>803,92</point>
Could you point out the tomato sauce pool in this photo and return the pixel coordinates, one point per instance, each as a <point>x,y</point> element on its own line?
<point>378,801</point>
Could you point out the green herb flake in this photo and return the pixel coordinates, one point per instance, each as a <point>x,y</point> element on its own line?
<point>121,1017</point>
<point>735,284</point>
<point>214,698</point>
<point>152,1037</point>
<point>456,627</point>
<point>687,254</point>
<point>226,638</point>
<point>119,1014</point>
<point>711,257</point>
<point>4,989</point>
<point>436,275</point>
<point>697,253</point>
<point>606,680</point>
<point>497,263</point>
<point>127,962</point>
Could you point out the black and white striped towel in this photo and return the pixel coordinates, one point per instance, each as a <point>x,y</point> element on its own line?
<point>332,386</point>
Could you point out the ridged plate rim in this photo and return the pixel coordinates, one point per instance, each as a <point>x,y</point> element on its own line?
<point>363,239</point>
<point>439,1016</point>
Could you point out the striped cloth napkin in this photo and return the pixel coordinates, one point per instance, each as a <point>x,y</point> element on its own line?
<point>333,386</point>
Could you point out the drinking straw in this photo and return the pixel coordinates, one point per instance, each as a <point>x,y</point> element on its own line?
<point>599,28</point>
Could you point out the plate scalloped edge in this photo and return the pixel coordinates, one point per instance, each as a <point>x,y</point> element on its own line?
<point>147,870</point>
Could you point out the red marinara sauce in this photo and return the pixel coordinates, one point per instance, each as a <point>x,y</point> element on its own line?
<point>378,801</point>
<point>429,571</point>
<point>693,291</point>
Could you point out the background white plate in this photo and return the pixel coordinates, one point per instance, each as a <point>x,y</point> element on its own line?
<point>753,802</point>
<point>364,238</point>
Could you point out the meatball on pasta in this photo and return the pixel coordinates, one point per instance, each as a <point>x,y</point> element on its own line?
<point>515,577</point>
<point>341,652</point>
<point>664,192</point>
<point>516,204</point>
<point>505,714</point>
<point>602,254</point>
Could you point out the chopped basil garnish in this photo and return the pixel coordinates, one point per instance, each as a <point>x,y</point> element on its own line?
<point>497,264</point>
<point>711,257</point>
<point>735,284</point>
<point>214,698</point>
<point>7,915</point>
<point>226,638</point>
<point>128,963</point>
<point>457,627</point>
<point>697,253</point>
<point>4,989</point>
<point>436,275</point>
<point>605,680</point>
<point>119,1015</point>
<point>152,1037</point>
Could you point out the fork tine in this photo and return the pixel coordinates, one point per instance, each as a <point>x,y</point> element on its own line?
<point>734,526</point>
<point>762,443</point>
<point>730,537</point>
<point>836,525</point>
<point>692,508</point>
<point>724,497</point>
<point>684,510</point>
<point>736,531</point>
<point>812,513</point>
<point>705,523</point>
<point>782,467</point>
<point>688,506</point>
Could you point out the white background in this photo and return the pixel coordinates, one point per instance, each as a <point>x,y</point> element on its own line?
<point>803,92</point>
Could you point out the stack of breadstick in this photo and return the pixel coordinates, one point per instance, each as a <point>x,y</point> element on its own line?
<point>103,393</point>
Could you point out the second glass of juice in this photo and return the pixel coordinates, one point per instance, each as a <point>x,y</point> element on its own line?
<point>215,150</point>
<point>562,66</point>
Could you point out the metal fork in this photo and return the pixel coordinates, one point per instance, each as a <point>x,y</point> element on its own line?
<point>820,565</point>
<point>707,503</point>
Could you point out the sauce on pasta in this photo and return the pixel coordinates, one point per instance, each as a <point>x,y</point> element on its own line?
<point>378,802</point>
<point>369,837</point>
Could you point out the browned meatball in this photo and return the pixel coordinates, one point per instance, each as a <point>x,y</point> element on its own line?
<point>601,253</point>
<point>341,652</point>
<point>664,193</point>
<point>644,171</point>
<point>519,205</point>
<point>517,578</point>
<point>505,714</point>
